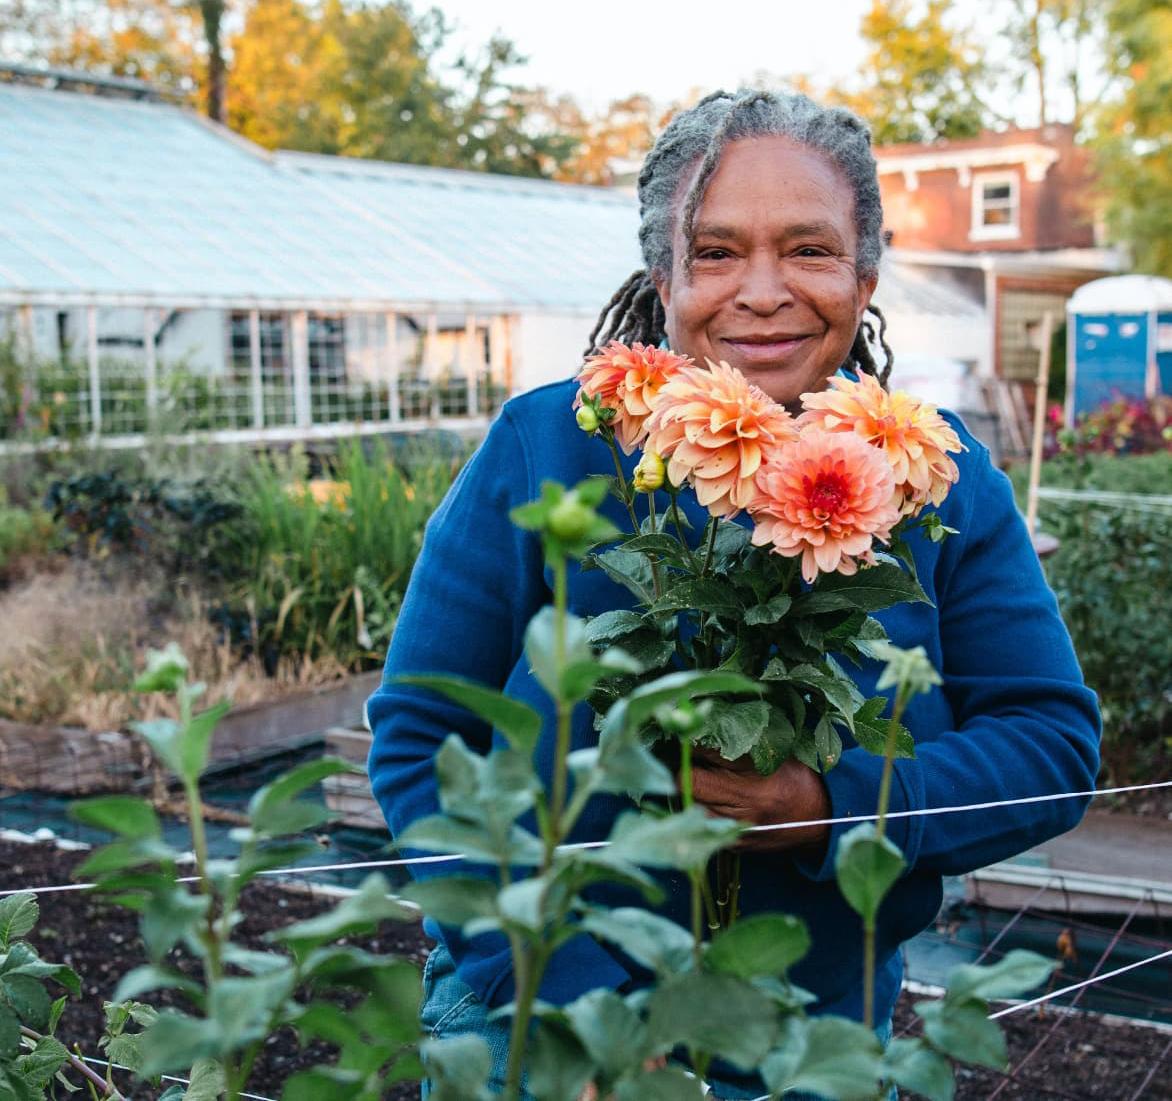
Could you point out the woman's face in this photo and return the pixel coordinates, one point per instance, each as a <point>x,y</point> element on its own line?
<point>773,289</point>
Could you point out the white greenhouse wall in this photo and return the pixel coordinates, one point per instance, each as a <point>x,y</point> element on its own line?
<point>549,346</point>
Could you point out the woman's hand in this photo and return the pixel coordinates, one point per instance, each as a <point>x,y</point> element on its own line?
<point>734,789</point>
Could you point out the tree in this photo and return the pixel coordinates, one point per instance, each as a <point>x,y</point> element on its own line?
<point>1134,143</point>
<point>922,79</point>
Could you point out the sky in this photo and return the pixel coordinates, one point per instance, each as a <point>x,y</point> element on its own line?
<point>600,50</point>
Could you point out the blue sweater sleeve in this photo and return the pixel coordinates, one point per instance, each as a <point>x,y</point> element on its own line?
<point>1024,725</point>
<point>476,584</point>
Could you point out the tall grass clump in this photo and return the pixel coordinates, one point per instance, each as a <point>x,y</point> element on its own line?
<point>324,561</point>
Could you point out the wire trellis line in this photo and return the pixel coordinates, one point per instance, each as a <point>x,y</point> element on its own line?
<point>440,858</point>
<point>165,1077</point>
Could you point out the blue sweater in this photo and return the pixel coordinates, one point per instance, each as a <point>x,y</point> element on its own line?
<point>1012,718</point>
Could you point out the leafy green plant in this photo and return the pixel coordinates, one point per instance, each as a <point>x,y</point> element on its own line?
<point>24,532</point>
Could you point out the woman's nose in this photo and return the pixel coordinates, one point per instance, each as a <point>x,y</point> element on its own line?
<point>765,286</point>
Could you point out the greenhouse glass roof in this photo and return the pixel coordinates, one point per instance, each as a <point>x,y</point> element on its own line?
<point>105,199</point>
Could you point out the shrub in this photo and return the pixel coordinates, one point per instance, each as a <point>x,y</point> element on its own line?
<point>1125,426</point>
<point>25,533</point>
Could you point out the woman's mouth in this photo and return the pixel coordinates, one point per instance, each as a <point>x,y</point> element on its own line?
<point>766,349</point>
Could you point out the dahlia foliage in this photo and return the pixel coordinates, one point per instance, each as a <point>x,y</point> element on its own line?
<point>809,523</point>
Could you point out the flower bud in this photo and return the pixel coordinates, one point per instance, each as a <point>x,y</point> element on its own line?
<point>570,519</point>
<point>649,474</point>
<point>587,418</point>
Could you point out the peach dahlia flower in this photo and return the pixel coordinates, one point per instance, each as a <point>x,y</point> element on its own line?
<point>826,497</point>
<point>627,380</point>
<point>716,429</point>
<point>915,438</point>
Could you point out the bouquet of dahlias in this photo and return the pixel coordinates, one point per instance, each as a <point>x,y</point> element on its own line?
<point>785,597</point>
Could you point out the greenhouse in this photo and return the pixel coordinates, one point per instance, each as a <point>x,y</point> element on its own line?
<point>160,274</point>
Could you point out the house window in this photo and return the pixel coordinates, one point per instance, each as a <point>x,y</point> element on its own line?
<point>996,207</point>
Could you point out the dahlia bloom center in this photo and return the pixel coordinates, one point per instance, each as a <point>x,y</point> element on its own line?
<point>827,493</point>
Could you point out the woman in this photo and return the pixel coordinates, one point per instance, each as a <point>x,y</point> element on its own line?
<point>760,228</point>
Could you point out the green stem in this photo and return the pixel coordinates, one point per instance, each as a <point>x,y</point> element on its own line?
<point>901,697</point>
<point>711,547</point>
<point>628,497</point>
<point>564,711</point>
<point>92,1077</point>
<point>653,518</point>
<point>527,975</point>
<point>679,523</point>
<point>694,874</point>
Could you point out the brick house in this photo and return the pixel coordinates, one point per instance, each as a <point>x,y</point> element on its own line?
<point>1008,218</point>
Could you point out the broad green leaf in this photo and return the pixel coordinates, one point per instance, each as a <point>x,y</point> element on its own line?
<point>866,867</point>
<point>150,977</point>
<point>516,720</point>
<point>621,765</point>
<point>542,648</point>
<point>628,569</point>
<point>18,917</point>
<point>27,998</point>
<point>775,744</point>
<point>870,590</point>
<point>9,1033</point>
<point>963,1031</point>
<point>827,743</point>
<point>665,548</point>
<point>165,671</point>
<point>760,945</point>
<point>734,727</point>
<point>805,749</point>
<point>120,856</point>
<point>360,912</point>
<point>665,1084</point>
<point>916,1067</point>
<point>613,625</point>
<point>612,1033</point>
<point>124,815</point>
<point>459,1067</point>
<point>871,730</point>
<point>524,904</point>
<point>680,841</point>
<point>907,669</point>
<point>645,700</point>
<point>769,612</point>
<point>453,899</point>
<point>264,808</point>
<point>656,942</point>
<point>242,1006</point>
<point>279,854</point>
<point>195,742</point>
<point>22,959</point>
<point>731,540</point>
<point>557,1067</point>
<point>579,679</point>
<point>834,684</point>
<point>703,594</point>
<point>1016,973</point>
<point>440,834</point>
<point>713,1013</point>
<point>163,737</point>
<point>169,917</point>
<point>175,1041</point>
<point>43,1062</point>
<point>828,1056</point>
<point>253,961</point>
<point>207,1081</point>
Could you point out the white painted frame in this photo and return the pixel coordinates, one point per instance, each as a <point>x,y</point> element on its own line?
<point>978,231</point>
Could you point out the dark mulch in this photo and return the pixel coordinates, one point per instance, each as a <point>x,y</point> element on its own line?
<point>1086,1058</point>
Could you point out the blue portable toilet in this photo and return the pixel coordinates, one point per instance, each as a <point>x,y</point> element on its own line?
<point>1119,341</point>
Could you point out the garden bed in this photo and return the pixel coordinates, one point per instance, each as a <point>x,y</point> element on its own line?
<point>1088,1057</point>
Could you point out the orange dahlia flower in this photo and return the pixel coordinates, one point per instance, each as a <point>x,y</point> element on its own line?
<point>627,380</point>
<point>718,429</point>
<point>915,438</point>
<point>826,497</point>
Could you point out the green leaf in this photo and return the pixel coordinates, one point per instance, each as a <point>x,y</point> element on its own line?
<point>963,1031</point>
<point>805,750</point>
<point>665,548</point>
<point>163,737</point>
<point>440,834</point>
<point>612,1033</point>
<point>703,594</point>
<point>827,743</point>
<point>579,679</point>
<point>242,1006</point>
<point>833,683</point>
<point>360,912</point>
<point>769,612</point>
<point>734,728</point>
<point>905,669</point>
<point>718,1014</point>
<point>1016,973</point>
<point>195,742</point>
<point>613,625</point>
<point>43,1062</point>
<point>459,1067</point>
<point>18,917</point>
<point>828,1056</point>
<point>775,744</point>
<point>207,1081</point>
<point>150,977</point>
<point>870,590</point>
<point>673,688</point>
<point>866,867</point>
<point>916,1067</point>
<point>628,569</point>
<point>271,810</point>
<point>656,942</point>
<point>871,730</point>
<point>664,1084</point>
<point>731,540</point>
<point>22,959</point>
<point>175,1041</point>
<point>27,998</point>
<point>516,720</point>
<point>124,815</point>
<point>541,647</point>
<point>680,841</point>
<point>9,1033</point>
<point>169,917</point>
<point>760,945</point>
<point>165,671</point>
<point>122,855</point>
<point>453,899</point>
<point>557,1067</point>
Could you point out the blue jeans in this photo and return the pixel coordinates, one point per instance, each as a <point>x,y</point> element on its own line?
<point>450,1008</point>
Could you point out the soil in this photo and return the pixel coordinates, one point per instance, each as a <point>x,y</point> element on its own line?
<point>1084,1058</point>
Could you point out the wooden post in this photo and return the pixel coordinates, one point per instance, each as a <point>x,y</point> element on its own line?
<point>1043,383</point>
<point>91,343</point>
<point>473,364</point>
<point>391,360</point>
<point>150,368</point>
<point>255,372</point>
<point>302,402</point>
<point>430,365</point>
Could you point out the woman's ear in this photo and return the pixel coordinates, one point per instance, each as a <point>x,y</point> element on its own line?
<point>663,288</point>
<point>867,286</point>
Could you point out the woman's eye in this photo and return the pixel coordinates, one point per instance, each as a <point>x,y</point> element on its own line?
<point>812,250</point>
<point>712,254</point>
